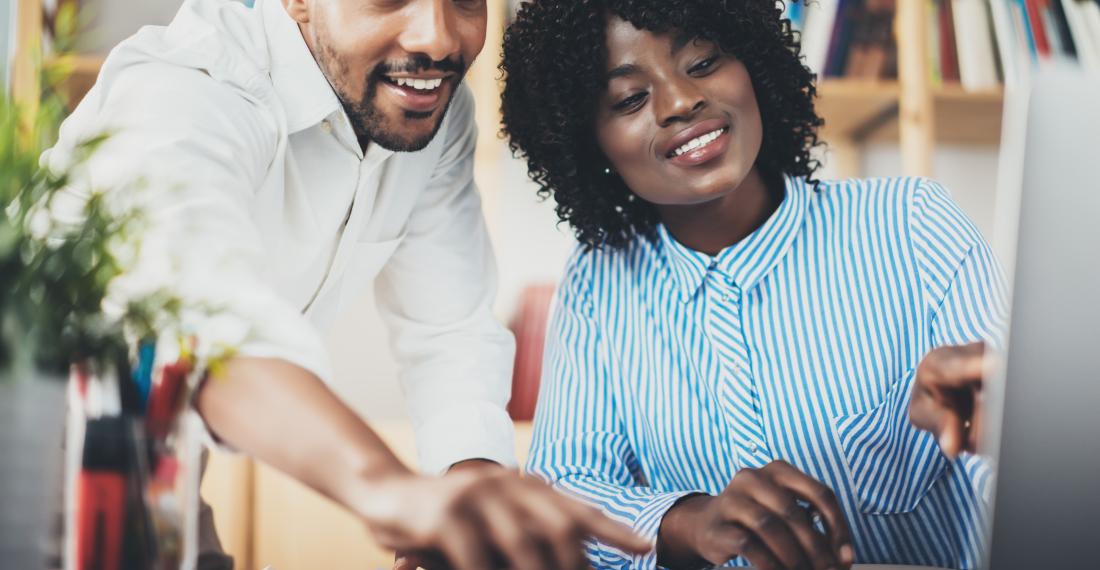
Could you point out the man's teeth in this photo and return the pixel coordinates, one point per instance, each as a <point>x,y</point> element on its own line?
<point>698,142</point>
<point>418,84</point>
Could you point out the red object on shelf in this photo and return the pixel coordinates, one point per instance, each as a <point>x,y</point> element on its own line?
<point>529,326</point>
<point>100,515</point>
<point>1035,9</point>
<point>949,58</point>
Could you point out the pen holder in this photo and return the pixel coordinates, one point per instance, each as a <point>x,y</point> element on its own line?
<point>32,414</point>
<point>133,468</point>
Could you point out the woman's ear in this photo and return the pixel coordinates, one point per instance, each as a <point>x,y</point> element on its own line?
<point>298,10</point>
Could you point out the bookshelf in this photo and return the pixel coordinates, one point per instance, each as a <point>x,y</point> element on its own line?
<point>25,86</point>
<point>910,111</point>
<point>85,69</point>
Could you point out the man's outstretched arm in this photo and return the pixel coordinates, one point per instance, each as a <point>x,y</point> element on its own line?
<point>286,417</point>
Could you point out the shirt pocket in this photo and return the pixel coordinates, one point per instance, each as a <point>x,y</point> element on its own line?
<point>892,465</point>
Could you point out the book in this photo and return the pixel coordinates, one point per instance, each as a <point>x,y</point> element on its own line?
<point>849,13</point>
<point>1023,28</point>
<point>1011,46</point>
<point>935,62</point>
<point>817,31</point>
<point>1090,14</point>
<point>872,51</point>
<point>1083,41</point>
<point>1034,11</point>
<point>977,62</point>
<point>949,57</point>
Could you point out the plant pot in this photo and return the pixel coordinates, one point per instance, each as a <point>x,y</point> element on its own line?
<point>32,428</point>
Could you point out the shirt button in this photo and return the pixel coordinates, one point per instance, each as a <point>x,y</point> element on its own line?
<point>754,448</point>
<point>725,296</point>
<point>326,126</point>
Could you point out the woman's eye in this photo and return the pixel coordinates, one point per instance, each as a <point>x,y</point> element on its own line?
<point>630,102</point>
<point>705,65</point>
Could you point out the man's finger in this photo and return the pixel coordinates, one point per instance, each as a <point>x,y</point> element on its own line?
<point>559,523</point>
<point>413,561</point>
<point>505,527</point>
<point>598,525</point>
<point>465,548</point>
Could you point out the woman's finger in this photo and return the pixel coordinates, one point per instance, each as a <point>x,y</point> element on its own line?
<point>769,528</point>
<point>823,501</point>
<point>782,502</point>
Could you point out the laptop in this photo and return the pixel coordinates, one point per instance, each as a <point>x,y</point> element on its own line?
<point>1046,401</point>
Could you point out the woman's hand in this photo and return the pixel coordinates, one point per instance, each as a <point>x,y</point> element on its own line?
<point>947,397</point>
<point>477,519</point>
<point>759,517</point>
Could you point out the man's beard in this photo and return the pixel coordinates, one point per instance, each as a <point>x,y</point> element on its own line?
<point>367,121</point>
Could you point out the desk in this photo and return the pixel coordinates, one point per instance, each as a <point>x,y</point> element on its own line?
<point>266,518</point>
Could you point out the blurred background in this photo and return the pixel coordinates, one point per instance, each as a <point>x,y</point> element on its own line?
<point>947,131</point>
<point>912,87</point>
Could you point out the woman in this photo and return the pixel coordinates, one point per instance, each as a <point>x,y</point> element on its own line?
<point>743,358</point>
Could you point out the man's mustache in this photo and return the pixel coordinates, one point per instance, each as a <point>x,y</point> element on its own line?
<point>420,62</point>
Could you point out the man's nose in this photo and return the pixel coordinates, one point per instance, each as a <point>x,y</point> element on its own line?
<point>431,30</point>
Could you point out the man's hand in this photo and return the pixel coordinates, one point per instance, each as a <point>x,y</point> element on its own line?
<point>947,397</point>
<point>759,517</point>
<point>482,518</point>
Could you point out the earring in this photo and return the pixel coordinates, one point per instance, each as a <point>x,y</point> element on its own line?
<point>607,171</point>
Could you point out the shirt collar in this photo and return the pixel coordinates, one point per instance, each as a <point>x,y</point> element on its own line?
<point>302,88</point>
<point>748,261</point>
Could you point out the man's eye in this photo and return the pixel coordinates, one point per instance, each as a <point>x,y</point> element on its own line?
<point>705,65</point>
<point>630,102</point>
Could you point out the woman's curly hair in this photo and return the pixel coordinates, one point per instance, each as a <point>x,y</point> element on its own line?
<point>554,67</point>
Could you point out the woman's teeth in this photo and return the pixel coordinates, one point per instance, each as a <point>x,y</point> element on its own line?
<point>698,142</point>
<point>418,84</point>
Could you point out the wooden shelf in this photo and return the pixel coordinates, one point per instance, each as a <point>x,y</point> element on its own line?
<point>853,109</point>
<point>83,72</point>
<point>961,117</point>
<point>863,111</point>
<point>968,117</point>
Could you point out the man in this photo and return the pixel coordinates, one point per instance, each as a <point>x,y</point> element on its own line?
<point>296,153</point>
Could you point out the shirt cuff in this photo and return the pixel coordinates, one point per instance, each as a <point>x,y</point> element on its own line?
<point>648,524</point>
<point>474,430</point>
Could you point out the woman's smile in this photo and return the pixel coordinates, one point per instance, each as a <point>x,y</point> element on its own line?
<point>698,144</point>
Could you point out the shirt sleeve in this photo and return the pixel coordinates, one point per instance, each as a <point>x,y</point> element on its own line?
<point>579,443</point>
<point>436,295</point>
<point>964,288</point>
<point>191,152</point>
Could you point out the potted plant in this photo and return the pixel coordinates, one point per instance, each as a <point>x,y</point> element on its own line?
<point>59,256</point>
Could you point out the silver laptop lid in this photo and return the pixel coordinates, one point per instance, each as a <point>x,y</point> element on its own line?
<point>1047,498</point>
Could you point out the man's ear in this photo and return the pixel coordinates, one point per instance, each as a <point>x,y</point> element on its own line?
<point>298,10</point>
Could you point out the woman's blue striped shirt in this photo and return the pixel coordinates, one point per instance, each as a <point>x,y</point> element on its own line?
<point>668,370</point>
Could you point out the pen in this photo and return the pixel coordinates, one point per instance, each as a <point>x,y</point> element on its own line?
<point>101,495</point>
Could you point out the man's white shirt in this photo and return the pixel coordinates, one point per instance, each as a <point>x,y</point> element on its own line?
<point>255,180</point>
